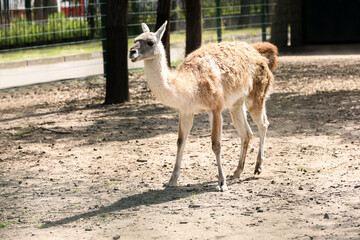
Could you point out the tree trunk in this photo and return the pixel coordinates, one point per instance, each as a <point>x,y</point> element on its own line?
<point>287,14</point>
<point>117,86</point>
<point>280,23</point>
<point>296,22</point>
<point>163,14</point>
<point>193,25</point>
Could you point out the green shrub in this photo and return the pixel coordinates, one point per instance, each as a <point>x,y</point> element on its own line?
<point>58,28</point>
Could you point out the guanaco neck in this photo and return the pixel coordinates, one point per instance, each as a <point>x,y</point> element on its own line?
<point>156,70</point>
<point>158,76</point>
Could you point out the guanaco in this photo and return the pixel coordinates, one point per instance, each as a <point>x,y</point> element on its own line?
<point>227,75</point>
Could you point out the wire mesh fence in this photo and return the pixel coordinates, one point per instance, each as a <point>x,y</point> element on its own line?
<point>23,26</point>
<point>247,20</point>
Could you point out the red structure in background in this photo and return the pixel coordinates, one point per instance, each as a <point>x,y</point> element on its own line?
<point>68,7</point>
<point>18,12</point>
<point>72,10</point>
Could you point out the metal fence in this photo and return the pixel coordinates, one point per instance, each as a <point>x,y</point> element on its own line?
<point>79,20</point>
<point>247,20</point>
<point>24,26</point>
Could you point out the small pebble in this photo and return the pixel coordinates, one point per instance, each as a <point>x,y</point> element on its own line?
<point>194,206</point>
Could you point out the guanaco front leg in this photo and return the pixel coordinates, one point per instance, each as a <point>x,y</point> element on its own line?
<point>185,124</point>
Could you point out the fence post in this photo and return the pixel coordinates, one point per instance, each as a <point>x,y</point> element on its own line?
<point>263,19</point>
<point>27,10</point>
<point>90,16</point>
<point>117,84</point>
<point>7,12</point>
<point>103,32</point>
<point>218,21</point>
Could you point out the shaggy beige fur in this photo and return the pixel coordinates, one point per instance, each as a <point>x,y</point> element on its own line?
<point>269,51</point>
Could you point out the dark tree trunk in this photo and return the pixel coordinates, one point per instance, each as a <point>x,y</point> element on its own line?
<point>279,24</point>
<point>287,14</point>
<point>193,25</point>
<point>296,22</point>
<point>117,85</point>
<point>163,14</point>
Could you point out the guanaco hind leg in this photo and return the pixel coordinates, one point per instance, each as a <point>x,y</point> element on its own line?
<point>238,115</point>
<point>260,118</point>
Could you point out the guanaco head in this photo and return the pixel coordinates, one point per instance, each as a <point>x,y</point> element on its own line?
<point>148,44</point>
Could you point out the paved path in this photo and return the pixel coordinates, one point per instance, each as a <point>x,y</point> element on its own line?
<point>40,71</point>
<point>15,77</point>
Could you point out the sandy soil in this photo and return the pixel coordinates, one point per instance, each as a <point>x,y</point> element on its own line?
<point>72,168</point>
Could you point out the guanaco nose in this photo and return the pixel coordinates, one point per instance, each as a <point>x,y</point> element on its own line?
<point>132,51</point>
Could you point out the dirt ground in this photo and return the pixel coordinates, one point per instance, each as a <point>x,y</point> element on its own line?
<point>73,168</point>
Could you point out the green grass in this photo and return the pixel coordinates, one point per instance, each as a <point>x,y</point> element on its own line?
<point>176,37</point>
<point>50,51</point>
<point>23,131</point>
<point>41,225</point>
<point>3,224</point>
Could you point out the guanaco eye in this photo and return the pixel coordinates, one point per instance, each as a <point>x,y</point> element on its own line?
<point>150,43</point>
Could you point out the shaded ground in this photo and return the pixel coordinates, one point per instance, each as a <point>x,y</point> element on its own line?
<point>72,168</point>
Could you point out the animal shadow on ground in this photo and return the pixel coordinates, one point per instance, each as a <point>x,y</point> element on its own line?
<point>149,198</point>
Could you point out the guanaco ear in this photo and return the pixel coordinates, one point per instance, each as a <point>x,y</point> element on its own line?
<point>145,28</point>
<point>160,32</point>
